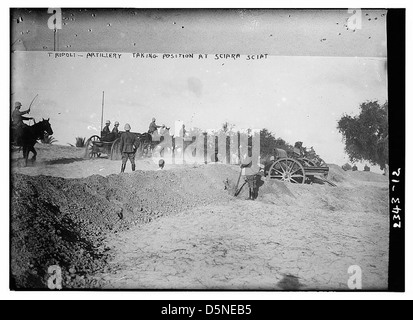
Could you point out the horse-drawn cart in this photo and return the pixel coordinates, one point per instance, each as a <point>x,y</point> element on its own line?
<point>96,145</point>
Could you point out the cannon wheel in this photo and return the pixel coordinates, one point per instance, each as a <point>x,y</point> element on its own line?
<point>115,153</point>
<point>90,151</point>
<point>287,170</point>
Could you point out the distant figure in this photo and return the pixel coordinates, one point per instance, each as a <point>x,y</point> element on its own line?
<point>249,175</point>
<point>267,164</point>
<point>182,132</point>
<point>161,164</point>
<point>17,120</point>
<point>106,129</point>
<point>128,145</point>
<point>153,126</point>
<point>115,129</point>
<point>298,148</point>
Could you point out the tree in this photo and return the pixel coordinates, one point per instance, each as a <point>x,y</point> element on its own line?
<point>268,143</point>
<point>366,135</point>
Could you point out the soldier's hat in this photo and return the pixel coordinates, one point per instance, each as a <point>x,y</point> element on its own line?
<point>17,104</point>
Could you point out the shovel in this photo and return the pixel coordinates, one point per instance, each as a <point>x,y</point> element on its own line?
<point>237,191</point>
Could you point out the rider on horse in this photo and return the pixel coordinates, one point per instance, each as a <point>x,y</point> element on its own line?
<point>153,127</point>
<point>17,121</point>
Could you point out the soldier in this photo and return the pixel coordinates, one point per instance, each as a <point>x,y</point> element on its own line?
<point>17,115</point>
<point>128,145</point>
<point>153,126</point>
<point>161,164</point>
<point>106,129</point>
<point>115,129</point>
<point>249,174</point>
<point>17,120</point>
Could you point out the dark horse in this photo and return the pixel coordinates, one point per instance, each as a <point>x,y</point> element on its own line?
<point>29,135</point>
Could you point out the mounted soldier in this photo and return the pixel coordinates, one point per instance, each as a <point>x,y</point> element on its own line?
<point>153,127</point>
<point>17,121</point>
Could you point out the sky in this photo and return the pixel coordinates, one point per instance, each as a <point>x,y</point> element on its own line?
<point>311,71</point>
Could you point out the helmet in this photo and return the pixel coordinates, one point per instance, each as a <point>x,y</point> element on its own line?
<point>127,127</point>
<point>153,119</point>
<point>17,104</point>
<point>107,122</point>
<point>116,123</point>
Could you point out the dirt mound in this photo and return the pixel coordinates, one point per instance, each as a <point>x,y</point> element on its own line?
<point>342,198</point>
<point>350,194</point>
<point>368,176</point>
<point>336,173</point>
<point>57,221</point>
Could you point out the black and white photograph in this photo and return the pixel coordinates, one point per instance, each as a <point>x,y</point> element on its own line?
<point>205,149</point>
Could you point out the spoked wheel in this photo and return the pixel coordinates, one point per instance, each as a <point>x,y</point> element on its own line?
<point>92,150</point>
<point>287,170</point>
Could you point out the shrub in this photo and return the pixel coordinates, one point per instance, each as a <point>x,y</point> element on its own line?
<point>80,142</point>
<point>48,140</point>
<point>346,167</point>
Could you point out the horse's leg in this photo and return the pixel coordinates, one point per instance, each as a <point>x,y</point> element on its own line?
<point>25,155</point>
<point>34,153</point>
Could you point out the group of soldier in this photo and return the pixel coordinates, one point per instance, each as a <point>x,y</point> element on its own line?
<point>129,142</point>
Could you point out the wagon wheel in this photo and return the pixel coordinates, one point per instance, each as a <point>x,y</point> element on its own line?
<point>115,153</point>
<point>91,149</point>
<point>287,169</point>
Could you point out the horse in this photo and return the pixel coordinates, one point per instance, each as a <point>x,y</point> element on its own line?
<point>145,143</point>
<point>29,135</point>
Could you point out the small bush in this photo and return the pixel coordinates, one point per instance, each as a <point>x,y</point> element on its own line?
<point>80,142</point>
<point>346,167</point>
<point>48,140</point>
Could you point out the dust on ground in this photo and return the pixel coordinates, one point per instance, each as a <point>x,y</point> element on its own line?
<point>178,228</point>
